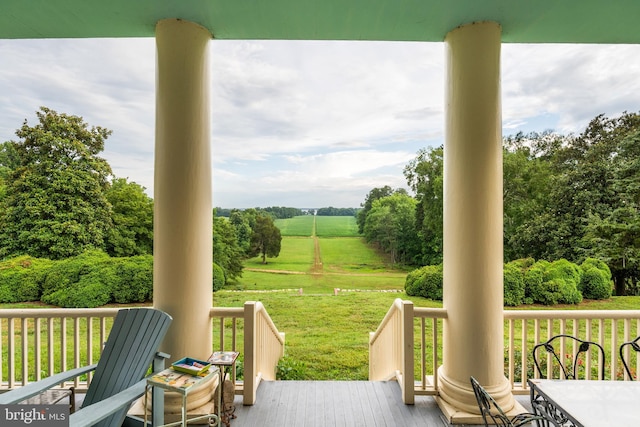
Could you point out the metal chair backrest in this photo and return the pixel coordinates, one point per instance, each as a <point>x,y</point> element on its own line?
<point>133,341</point>
<point>625,362</point>
<point>572,363</point>
<point>492,413</point>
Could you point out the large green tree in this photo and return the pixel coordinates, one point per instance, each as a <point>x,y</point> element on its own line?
<point>55,204</point>
<point>266,239</point>
<point>425,176</point>
<point>227,252</point>
<point>391,224</point>
<point>373,195</point>
<point>132,216</point>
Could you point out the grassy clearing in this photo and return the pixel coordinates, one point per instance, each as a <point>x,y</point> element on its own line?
<point>350,254</point>
<point>296,226</point>
<point>336,226</point>
<point>296,254</point>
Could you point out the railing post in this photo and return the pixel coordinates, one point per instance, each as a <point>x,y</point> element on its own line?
<point>408,363</point>
<point>249,396</point>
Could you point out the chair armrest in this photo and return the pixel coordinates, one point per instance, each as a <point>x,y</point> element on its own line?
<point>37,387</point>
<point>92,414</point>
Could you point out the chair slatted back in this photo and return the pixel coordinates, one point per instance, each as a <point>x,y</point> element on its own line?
<point>635,346</point>
<point>133,341</point>
<point>569,365</point>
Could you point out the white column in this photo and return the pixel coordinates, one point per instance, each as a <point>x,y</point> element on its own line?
<point>183,248</point>
<point>473,246</point>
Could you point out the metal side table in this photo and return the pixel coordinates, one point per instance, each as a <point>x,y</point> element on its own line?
<point>183,383</point>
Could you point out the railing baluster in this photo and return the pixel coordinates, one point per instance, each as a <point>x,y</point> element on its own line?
<point>510,352</point>
<point>523,354</point>
<point>11,352</point>
<point>50,359</point>
<point>24,335</point>
<point>37,349</point>
<point>423,354</point>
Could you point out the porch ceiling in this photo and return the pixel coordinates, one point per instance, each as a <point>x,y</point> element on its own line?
<point>523,21</point>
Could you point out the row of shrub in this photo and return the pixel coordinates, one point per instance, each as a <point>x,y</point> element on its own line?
<point>91,279</point>
<point>527,281</point>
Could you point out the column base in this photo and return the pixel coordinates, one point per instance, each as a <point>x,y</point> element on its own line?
<point>457,399</point>
<point>454,415</point>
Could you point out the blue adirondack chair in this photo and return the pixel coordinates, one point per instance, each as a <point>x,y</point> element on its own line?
<point>119,376</point>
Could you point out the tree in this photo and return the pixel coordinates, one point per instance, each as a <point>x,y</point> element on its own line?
<point>227,252</point>
<point>55,205</point>
<point>527,179</point>
<point>132,216</point>
<point>391,224</point>
<point>373,195</point>
<point>425,176</point>
<point>8,162</point>
<point>266,238</point>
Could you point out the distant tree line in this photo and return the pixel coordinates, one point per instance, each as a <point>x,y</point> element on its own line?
<point>568,197</point>
<point>331,211</point>
<point>276,212</point>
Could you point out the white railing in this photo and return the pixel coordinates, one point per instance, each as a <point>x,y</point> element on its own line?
<point>34,343</point>
<point>263,344</point>
<point>392,348</point>
<point>609,328</point>
<point>37,343</point>
<point>419,340</point>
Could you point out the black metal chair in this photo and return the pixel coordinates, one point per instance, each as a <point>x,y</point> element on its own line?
<point>493,415</point>
<point>573,363</point>
<point>635,346</point>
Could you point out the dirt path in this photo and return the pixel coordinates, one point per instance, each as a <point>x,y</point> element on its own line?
<point>317,258</point>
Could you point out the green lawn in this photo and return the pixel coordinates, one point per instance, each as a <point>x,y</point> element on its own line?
<point>296,254</point>
<point>350,254</point>
<point>296,226</point>
<point>336,226</point>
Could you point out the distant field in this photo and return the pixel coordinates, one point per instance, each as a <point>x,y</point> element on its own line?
<point>296,226</point>
<point>336,226</point>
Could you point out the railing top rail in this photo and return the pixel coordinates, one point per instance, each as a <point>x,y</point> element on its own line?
<point>395,307</point>
<point>437,313</point>
<point>265,315</point>
<point>572,314</point>
<point>226,312</point>
<point>21,313</point>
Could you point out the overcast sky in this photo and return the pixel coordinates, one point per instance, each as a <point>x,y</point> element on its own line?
<point>306,124</point>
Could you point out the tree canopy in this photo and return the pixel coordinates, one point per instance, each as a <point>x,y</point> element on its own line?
<point>55,204</point>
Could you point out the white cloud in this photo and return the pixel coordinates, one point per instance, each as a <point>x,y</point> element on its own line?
<point>306,123</point>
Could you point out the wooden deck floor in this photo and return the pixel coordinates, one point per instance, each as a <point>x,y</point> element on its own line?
<point>337,403</point>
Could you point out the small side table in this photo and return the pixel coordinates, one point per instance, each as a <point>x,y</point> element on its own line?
<point>183,383</point>
<point>225,361</point>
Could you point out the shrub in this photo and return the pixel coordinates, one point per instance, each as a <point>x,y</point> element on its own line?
<point>513,284</point>
<point>21,278</point>
<point>135,279</point>
<point>219,279</point>
<point>534,291</point>
<point>595,281</point>
<point>567,276</point>
<point>83,281</point>
<point>425,282</point>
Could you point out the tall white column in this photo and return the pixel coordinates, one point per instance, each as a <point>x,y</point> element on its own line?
<point>473,246</point>
<point>183,248</point>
